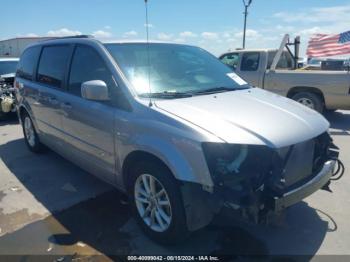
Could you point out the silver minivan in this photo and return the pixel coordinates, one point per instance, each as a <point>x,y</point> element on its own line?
<point>174,128</point>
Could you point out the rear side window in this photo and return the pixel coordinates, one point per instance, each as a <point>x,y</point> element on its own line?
<point>52,65</point>
<point>27,63</point>
<point>87,65</point>
<point>250,61</point>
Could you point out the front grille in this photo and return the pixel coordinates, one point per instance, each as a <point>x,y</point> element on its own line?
<point>300,162</point>
<point>296,164</point>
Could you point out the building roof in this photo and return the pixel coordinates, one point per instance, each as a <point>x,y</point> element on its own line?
<point>27,38</point>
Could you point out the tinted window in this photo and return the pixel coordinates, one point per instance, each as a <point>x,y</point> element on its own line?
<point>231,60</point>
<point>250,61</point>
<point>28,63</point>
<point>52,65</point>
<point>8,67</point>
<point>87,65</point>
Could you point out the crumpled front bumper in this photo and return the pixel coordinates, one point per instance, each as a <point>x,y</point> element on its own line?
<point>201,206</point>
<point>291,197</point>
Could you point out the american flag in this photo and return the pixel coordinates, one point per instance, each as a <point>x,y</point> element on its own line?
<point>321,45</point>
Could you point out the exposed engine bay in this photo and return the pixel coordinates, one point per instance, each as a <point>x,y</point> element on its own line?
<point>7,95</point>
<point>256,181</point>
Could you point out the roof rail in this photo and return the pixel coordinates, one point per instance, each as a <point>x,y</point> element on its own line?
<point>76,36</point>
<point>68,37</point>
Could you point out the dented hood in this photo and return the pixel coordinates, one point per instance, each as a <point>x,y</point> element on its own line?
<point>250,116</point>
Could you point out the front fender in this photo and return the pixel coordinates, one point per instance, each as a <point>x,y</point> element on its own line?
<point>183,157</point>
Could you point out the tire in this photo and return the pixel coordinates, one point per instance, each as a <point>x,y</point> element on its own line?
<point>3,116</point>
<point>310,100</point>
<point>30,135</point>
<point>173,231</point>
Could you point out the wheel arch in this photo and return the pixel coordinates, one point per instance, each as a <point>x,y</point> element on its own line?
<point>199,205</point>
<point>138,156</point>
<point>298,89</point>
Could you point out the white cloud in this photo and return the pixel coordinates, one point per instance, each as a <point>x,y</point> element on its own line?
<point>180,40</point>
<point>250,33</point>
<point>187,34</point>
<point>102,34</point>
<point>311,31</point>
<point>226,35</point>
<point>317,15</point>
<point>148,25</point>
<point>107,27</point>
<point>164,36</point>
<point>27,35</point>
<point>306,22</point>
<point>130,34</point>
<point>63,32</point>
<point>31,35</point>
<point>209,35</point>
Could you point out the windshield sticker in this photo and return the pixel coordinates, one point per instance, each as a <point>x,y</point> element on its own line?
<point>237,79</point>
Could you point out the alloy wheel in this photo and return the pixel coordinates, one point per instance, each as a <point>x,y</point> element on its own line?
<point>152,202</point>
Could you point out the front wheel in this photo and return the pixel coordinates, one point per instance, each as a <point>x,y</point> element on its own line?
<point>2,116</point>
<point>310,100</point>
<point>157,203</point>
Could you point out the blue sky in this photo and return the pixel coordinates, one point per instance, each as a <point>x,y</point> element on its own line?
<point>215,25</point>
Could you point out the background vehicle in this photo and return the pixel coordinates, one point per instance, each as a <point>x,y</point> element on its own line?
<point>7,76</point>
<point>327,64</point>
<point>275,70</point>
<point>8,65</point>
<point>182,139</point>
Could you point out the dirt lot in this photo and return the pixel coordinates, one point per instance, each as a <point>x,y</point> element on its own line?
<point>49,206</point>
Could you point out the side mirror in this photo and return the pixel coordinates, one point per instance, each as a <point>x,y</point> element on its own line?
<point>94,90</point>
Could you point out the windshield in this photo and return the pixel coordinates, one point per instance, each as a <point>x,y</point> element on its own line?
<point>173,69</point>
<point>8,67</point>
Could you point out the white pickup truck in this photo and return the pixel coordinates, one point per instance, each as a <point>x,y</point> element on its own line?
<point>274,70</point>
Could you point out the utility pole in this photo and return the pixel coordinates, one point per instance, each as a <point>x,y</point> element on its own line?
<point>246,4</point>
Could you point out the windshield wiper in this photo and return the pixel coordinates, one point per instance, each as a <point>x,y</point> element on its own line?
<point>219,89</point>
<point>215,90</point>
<point>166,94</point>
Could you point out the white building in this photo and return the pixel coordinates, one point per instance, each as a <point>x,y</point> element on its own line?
<point>14,47</point>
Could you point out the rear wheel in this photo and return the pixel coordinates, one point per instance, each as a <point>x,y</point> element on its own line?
<point>309,100</point>
<point>157,203</point>
<point>30,135</point>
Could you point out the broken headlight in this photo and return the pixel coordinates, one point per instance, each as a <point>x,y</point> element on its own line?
<point>238,166</point>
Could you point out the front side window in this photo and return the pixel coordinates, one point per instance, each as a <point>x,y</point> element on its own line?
<point>250,61</point>
<point>52,65</point>
<point>231,60</point>
<point>171,68</point>
<point>87,65</point>
<point>28,63</point>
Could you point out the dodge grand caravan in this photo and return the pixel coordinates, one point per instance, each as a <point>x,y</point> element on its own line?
<point>172,127</point>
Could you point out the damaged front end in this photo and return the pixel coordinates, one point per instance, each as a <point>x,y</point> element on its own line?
<point>256,180</point>
<point>7,95</point>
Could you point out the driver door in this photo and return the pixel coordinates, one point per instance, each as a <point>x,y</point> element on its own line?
<point>89,125</point>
